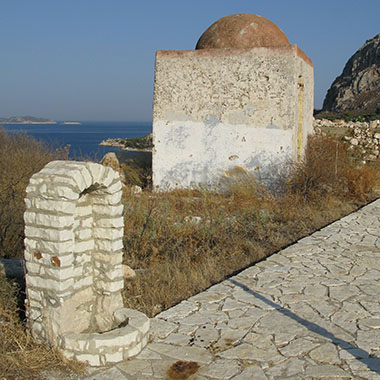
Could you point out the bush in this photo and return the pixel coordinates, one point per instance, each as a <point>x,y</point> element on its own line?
<point>21,156</point>
<point>137,172</point>
<point>327,168</point>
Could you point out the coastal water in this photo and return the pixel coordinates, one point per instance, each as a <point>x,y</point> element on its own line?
<point>83,139</point>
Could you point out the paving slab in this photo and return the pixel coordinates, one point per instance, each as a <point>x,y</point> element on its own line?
<point>310,311</point>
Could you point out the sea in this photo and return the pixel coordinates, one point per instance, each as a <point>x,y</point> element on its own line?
<point>82,140</point>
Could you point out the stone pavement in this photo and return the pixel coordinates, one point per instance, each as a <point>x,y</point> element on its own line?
<point>310,311</point>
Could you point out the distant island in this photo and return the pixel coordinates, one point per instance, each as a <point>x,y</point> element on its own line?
<point>71,123</point>
<point>136,144</point>
<point>26,120</point>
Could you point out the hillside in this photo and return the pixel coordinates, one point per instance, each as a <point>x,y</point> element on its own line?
<point>357,89</point>
<point>25,120</point>
<point>142,144</point>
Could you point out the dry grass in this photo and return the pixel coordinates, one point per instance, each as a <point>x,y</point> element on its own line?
<point>328,169</point>
<point>20,156</point>
<point>21,357</point>
<point>137,172</point>
<point>184,241</point>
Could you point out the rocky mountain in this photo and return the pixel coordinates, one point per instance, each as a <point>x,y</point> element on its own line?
<point>358,87</point>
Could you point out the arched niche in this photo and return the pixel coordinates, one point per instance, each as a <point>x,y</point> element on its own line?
<point>73,253</point>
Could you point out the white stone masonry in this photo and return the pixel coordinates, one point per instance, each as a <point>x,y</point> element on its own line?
<point>73,253</point>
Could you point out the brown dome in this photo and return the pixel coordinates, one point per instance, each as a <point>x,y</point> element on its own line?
<point>242,31</point>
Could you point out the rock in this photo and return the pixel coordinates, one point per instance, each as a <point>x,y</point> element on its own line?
<point>193,219</point>
<point>326,353</point>
<point>128,272</point>
<point>358,87</point>
<point>136,189</point>
<point>362,137</point>
<point>111,161</point>
<point>157,309</point>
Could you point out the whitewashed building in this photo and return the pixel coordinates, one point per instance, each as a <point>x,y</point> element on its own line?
<point>243,97</point>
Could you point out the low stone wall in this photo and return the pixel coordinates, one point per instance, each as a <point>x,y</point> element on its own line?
<point>363,137</point>
<point>73,254</point>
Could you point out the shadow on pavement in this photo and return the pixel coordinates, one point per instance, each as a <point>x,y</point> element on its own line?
<point>361,355</point>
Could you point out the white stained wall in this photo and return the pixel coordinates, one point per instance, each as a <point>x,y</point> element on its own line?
<point>219,108</point>
<point>194,153</point>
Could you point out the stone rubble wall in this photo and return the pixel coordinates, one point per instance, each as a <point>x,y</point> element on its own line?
<point>73,253</point>
<point>363,137</point>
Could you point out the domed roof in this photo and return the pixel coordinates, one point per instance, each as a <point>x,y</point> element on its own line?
<point>242,31</point>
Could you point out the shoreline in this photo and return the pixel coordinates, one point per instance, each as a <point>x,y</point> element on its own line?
<point>127,149</point>
<point>131,144</point>
<point>28,122</point>
<point>144,150</point>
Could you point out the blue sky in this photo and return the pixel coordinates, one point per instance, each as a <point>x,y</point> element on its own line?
<point>94,59</point>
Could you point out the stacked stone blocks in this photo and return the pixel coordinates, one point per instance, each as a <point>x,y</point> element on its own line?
<point>99,349</point>
<point>73,252</point>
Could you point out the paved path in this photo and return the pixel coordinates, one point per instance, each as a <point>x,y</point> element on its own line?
<point>311,311</point>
